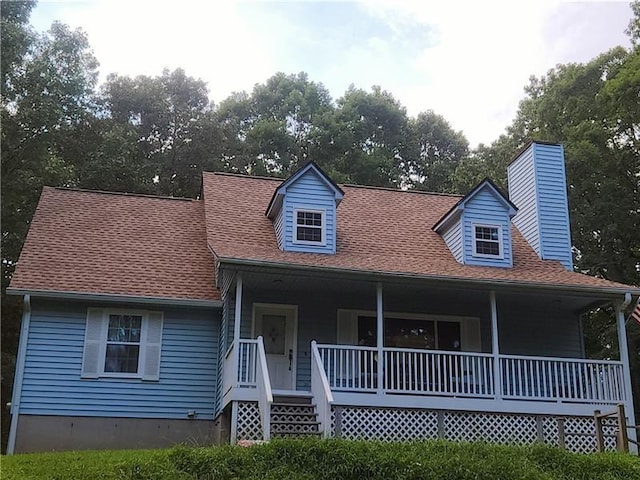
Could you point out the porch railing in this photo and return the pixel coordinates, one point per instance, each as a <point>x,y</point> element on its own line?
<point>240,364</point>
<point>438,372</point>
<point>321,391</point>
<point>351,368</point>
<point>263,385</point>
<point>562,379</point>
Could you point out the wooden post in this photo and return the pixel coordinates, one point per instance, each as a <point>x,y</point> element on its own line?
<point>440,414</point>
<point>338,411</point>
<point>599,434</point>
<point>380,338</point>
<point>626,369</point>
<point>495,347</point>
<point>561,435</point>
<point>623,438</point>
<point>539,429</point>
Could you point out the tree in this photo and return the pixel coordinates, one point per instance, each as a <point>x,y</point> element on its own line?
<point>435,150</point>
<point>47,86</point>
<point>163,121</point>
<point>370,137</point>
<point>277,128</point>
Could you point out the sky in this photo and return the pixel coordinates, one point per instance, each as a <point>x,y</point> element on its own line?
<point>468,61</point>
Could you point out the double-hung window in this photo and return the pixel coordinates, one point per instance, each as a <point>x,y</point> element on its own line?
<point>309,227</point>
<point>487,241</point>
<point>122,353</point>
<point>122,343</point>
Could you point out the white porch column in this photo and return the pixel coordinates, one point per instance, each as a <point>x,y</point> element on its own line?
<point>237,320</point>
<point>626,370</point>
<point>380,337</point>
<point>495,347</point>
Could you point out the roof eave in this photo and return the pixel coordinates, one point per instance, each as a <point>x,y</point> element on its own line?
<point>107,297</point>
<point>612,292</point>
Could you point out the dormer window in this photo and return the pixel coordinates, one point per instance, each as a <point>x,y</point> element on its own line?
<point>309,227</point>
<point>487,241</point>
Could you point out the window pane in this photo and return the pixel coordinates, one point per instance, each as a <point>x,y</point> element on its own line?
<point>449,336</point>
<point>122,358</point>
<point>409,333</point>
<point>487,248</point>
<point>367,331</point>
<point>309,234</point>
<point>124,328</point>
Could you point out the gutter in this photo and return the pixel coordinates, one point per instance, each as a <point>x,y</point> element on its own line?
<point>105,297</point>
<point>19,373</point>
<point>380,275</point>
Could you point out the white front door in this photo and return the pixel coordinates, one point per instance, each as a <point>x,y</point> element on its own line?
<point>277,325</point>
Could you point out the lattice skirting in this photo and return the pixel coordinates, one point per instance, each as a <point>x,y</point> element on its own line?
<point>249,426</point>
<point>395,424</point>
<point>402,424</point>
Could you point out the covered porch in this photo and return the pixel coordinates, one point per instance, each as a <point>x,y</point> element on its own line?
<point>415,344</point>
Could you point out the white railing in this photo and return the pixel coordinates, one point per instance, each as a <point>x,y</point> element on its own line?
<point>349,367</point>
<point>240,365</point>
<point>562,379</point>
<point>431,372</point>
<point>321,391</point>
<point>263,385</point>
<point>247,363</point>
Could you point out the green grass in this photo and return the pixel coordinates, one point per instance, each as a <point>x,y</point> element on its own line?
<point>327,460</point>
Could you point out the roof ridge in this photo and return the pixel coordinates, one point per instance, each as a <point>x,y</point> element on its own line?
<point>399,190</point>
<point>124,194</point>
<point>348,185</point>
<point>244,175</point>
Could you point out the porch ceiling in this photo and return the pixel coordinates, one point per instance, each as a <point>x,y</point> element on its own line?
<point>296,282</point>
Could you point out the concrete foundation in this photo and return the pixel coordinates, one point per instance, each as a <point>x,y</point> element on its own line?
<point>42,433</point>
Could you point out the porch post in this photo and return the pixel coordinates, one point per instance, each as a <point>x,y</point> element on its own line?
<point>237,320</point>
<point>495,347</point>
<point>626,369</point>
<point>380,337</point>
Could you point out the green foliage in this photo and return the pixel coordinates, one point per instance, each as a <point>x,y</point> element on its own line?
<point>328,460</point>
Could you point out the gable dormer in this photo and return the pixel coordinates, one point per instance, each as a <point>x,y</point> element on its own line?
<point>303,211</point>
<point>477,228</point>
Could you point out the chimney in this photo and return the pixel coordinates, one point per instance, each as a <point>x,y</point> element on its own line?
<point>538,187</point>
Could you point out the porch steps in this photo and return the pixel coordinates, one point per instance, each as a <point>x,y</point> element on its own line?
<point>293,416</point>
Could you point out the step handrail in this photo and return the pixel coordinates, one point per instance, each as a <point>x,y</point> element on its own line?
<point>265,394</point>
<point>321,391</point>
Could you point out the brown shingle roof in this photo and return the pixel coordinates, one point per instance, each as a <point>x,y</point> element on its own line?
<point>380,230</point>
<point>117,244</point>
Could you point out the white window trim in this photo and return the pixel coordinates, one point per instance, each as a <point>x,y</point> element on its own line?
<point>323,227</point>
<point>142,352</point>
<point>470,335</point>
<point>474,253</point>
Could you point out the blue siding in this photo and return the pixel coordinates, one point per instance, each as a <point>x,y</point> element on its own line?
<point>278,226</point>
<point>188,368</point>
<point>553,206</point>
<point>537,185</point>
<point>486,209</point>
<point>522,193</point>
<point>310,192</point>
<point>453,238</point>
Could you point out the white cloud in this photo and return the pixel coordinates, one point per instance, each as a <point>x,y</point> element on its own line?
<point>467,60</point>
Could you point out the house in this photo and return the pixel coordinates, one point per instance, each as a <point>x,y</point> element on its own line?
<point>271,307</point>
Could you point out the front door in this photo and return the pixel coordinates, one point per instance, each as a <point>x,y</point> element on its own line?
<point>277,326</point>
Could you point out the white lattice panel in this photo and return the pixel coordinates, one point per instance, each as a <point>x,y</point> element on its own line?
<point>493,428</point>
<point>387,424</point>
<point>249,426</point>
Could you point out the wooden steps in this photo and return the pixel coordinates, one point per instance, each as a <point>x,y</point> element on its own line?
<point>293,416</point>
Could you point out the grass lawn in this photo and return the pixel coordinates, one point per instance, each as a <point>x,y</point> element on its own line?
<point>326,459</point>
